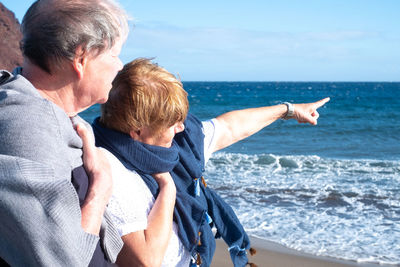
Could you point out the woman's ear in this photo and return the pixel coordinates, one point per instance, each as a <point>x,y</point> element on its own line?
<point>135,134</point>
<point>79,62</point>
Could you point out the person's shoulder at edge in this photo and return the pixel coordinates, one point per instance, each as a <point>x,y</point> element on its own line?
<point>33,126</point>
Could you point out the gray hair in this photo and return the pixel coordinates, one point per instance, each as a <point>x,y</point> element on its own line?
<point>53,30</point>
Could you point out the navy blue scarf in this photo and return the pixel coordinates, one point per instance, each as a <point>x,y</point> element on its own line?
<point>197,207</point>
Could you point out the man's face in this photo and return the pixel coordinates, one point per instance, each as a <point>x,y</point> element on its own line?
<point>99,72</point>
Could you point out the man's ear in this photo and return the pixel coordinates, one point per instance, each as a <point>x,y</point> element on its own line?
<point>135,135</point>
<point>79,62</point>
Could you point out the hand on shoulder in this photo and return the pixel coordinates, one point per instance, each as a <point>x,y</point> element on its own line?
<point>163,178</point>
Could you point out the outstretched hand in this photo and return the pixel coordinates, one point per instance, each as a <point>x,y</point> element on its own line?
<point>307,113</point>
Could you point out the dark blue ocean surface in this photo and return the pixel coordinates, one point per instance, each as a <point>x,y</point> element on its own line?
<point>362,120</point>
<point>331,189</point>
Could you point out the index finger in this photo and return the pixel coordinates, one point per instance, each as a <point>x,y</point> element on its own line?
<point>321,102</point>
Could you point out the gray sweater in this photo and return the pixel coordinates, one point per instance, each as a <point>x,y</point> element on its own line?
<point>40,217</point>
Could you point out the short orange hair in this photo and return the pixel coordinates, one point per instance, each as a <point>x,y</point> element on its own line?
<point>144,95</point>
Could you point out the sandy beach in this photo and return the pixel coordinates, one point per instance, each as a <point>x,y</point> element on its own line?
<point>270,254</point>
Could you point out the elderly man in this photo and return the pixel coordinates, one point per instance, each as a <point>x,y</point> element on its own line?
<point>53,198</point>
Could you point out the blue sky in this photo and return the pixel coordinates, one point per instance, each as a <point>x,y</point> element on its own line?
<point>261,40</point>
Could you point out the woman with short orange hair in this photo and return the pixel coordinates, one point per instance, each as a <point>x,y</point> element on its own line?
<point>167,218</point>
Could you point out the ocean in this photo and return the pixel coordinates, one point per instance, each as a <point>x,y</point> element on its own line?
<point>331,189</point>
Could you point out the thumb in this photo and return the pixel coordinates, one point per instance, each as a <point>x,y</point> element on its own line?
<point>313,121</point>
<point>310,119</point>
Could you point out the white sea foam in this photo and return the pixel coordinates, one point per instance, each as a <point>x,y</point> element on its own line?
<point>347,209</point>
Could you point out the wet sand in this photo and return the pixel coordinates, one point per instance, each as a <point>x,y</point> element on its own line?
<point>270,254</point>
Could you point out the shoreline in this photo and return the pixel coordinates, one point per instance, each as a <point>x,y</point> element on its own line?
<point>270,254</point>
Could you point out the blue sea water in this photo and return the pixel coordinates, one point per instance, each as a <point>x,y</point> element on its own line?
<point>331,189</point>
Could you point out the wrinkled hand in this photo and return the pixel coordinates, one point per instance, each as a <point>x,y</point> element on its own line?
<point>96,165</point>
<point>307,113</point>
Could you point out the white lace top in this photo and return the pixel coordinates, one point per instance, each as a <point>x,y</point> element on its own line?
<point>132,201</point>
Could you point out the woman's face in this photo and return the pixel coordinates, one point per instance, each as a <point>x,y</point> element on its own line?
<point>163,139</point>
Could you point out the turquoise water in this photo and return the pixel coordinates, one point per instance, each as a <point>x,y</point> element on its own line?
<point>332,189</point>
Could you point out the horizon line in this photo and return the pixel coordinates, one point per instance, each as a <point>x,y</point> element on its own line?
<point>289,81</point>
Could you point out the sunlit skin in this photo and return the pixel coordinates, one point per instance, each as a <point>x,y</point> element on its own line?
<point>84,81</point>
<point>95,81</point>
